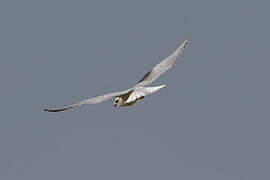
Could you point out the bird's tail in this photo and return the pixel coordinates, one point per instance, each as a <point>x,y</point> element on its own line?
<point>150,90</point>
<point>140,92</point>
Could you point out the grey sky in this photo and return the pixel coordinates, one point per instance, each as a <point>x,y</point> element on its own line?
<point>210,122</point>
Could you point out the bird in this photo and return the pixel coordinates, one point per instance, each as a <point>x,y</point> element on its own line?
<point>139,91</point>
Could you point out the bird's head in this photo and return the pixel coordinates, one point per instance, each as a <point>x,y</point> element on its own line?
<point>116,102</point>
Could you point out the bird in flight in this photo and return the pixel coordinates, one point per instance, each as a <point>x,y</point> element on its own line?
<point>139,91</point>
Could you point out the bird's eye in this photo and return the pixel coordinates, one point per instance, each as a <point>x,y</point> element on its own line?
<point>116,100</point>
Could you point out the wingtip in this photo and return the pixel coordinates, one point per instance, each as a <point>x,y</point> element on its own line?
<point>50,110</point>
<point>56,110</point>
<point>187,40</point>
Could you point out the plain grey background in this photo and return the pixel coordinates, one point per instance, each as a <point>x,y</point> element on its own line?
<point>210,122</point>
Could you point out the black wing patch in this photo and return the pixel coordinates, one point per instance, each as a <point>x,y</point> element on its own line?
<point>145,76</point>
<point>57,110</point>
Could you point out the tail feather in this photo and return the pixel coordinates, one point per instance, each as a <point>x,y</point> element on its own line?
<point>149,90</point>
<point>140,92</point>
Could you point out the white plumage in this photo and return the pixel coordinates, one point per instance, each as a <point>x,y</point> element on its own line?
<point>139,91</point>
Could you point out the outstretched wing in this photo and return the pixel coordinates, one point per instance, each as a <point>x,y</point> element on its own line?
<point>93,100</point>
<point>163,66</point>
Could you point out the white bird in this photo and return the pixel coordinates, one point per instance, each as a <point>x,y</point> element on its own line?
<point>139,91</point>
